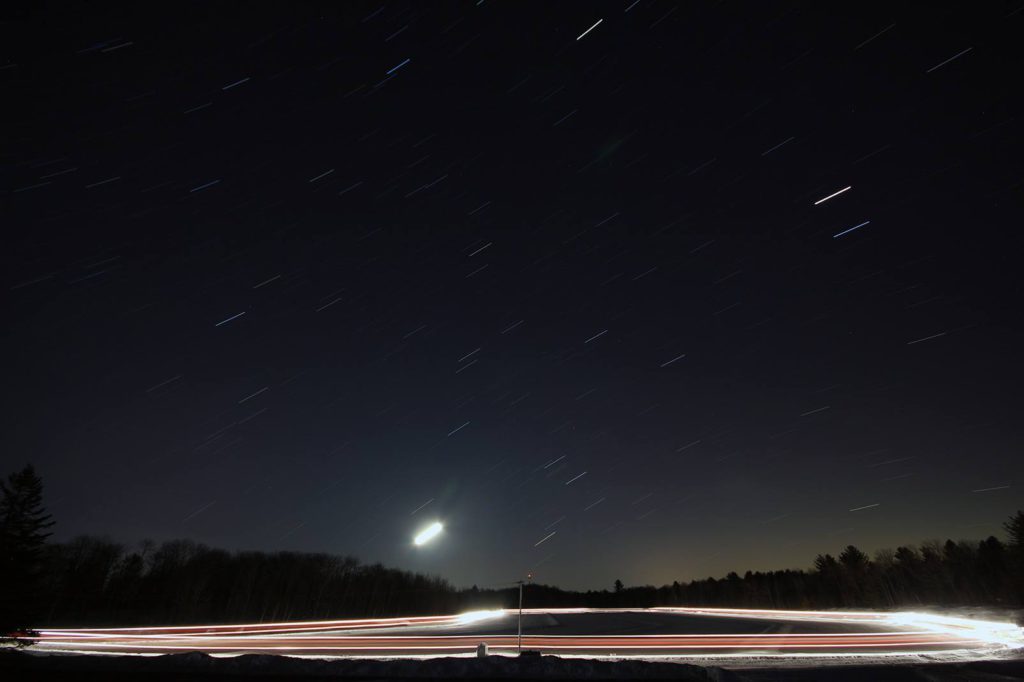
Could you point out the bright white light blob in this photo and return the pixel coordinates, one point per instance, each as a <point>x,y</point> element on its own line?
<point>428,534</point>
<point>477,616</point>
<point>1003,634</point>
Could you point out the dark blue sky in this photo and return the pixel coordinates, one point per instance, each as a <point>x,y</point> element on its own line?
<point>276,279</point>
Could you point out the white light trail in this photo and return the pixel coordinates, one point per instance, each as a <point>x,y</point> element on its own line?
<point>508,329</point>
<point>428,534</point>
<point>396,68</point>
<point>777,146</point>
<point>253,395</point>
<point>322,175</point>
<point>910,635</point>
<point>1004,634</point>
<point>941,64</point>
<point>927,338</point>
<point>590,29</point>
<point>575,478</point>
<point>162,384</point>
<point>549,526</point>
<point>236,83</point>
<point>477,616</point>
<point>890,26</point>
<point>202,187</point>
<point>327,305</point>
<point>469,354</point>
<point>97,184</point>
<point>233,317</point>
<point>421,506</point>
<point>267,281</point>
<point>453,432</point>
<point>834,194</point>
<point>840,234</point>
<point>546,538</point>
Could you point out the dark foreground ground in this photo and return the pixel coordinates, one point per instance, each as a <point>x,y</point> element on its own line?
<point>16,666</point>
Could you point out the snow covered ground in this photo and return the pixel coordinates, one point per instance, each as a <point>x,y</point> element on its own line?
<point>193,666</point>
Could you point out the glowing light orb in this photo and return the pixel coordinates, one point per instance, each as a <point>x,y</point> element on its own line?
<point>428,534</point>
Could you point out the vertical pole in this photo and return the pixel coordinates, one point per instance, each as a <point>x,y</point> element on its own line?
<point>519,646</point>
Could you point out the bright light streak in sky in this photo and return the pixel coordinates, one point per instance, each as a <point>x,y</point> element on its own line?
<point>590,29</point>
<point>834,194</point>
<point>840,234</point>
<point>428,534</point>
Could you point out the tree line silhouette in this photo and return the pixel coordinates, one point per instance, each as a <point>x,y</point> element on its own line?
<point>96,581</point>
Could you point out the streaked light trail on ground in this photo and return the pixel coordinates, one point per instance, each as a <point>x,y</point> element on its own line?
<point>890,634</point>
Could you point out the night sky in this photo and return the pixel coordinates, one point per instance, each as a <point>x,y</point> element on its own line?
<point>315,276</point>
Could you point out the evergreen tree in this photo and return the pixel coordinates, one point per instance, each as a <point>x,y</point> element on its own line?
<point>829,575</point>
<point>855,565</point>
<point>24,528</point>
<point>1015,529</point>
<point>1015,549</point>
<point>991,568</point>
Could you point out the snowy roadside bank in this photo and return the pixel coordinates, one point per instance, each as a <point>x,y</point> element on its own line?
<point>16,665</point>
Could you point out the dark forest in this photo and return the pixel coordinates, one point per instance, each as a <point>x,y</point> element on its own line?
<point>98,581</point>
